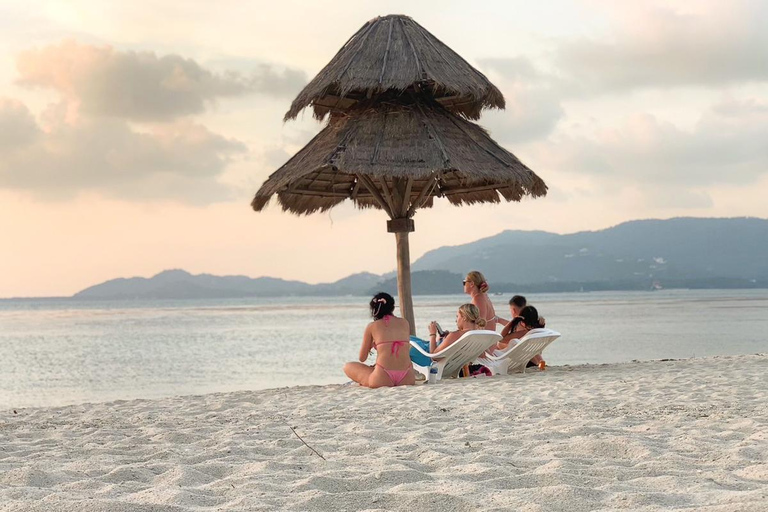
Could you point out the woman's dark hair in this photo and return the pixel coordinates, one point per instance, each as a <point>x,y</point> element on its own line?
<point>382,304</point>
<point>530,316</point>
<point>519,301</point>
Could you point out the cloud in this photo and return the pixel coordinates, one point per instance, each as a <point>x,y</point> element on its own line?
<point>142,86</point>
<point>533,101</point>
<point>181,161</point>
<point>17,125</point>
<point>723,44</point>
<point>276,157</point>
<point>718,45</point>
<point>530,114</point>
<point>668,164</point>
<point>124,124</point>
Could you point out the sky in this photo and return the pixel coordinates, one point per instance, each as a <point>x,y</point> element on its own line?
<point>133,135</point>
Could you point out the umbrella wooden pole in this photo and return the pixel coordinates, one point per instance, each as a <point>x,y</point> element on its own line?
<point>404,279</point>
<point>401,227</point>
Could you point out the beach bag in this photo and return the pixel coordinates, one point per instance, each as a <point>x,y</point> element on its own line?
<point>476,370</point>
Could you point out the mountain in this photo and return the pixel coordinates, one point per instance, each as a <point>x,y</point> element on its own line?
<point>674,253</point>
<point>179,284</point>
<point>425,282</point>
<point>674,249</point>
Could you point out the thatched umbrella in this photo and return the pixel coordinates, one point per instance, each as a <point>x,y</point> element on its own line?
<point>397,136</point>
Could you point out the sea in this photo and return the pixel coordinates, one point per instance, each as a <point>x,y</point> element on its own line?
<point>57,352</point>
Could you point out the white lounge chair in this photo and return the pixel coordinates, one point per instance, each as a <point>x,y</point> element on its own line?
<point>515,357</point>
<point>458,354</point>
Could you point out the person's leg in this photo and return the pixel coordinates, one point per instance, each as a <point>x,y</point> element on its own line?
<point>379,379</point>
<point>358,372</point>
<point>374,377</point>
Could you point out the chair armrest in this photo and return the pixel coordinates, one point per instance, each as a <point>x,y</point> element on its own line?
<point>421,350</point>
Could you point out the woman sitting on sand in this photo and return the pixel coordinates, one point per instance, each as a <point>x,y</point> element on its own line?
<point>527,319</point>
<point>387,334</point>
<point>477,287</point>
<point>467,319</point>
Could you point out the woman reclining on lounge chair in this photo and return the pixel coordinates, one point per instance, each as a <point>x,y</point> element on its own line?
<point>387,334</point>
<point>527,319</point>
<point>467,319</point>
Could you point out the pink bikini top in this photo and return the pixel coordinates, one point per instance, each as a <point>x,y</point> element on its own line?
<point>395,344</point>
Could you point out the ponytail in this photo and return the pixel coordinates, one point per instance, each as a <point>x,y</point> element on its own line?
<point>382,304</point>
<point>530,316</point>
<point>472,314</point>
<point>479,281</point>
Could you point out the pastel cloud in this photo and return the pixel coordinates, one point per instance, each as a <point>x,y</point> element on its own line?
<point>647,47</point>
<point>534,101</point>
<point>180,161</point>
<point>142,86</point>
<point>725,43</point>
<point>124,125</point>
<point>726,146</point>
<point>17,124</point>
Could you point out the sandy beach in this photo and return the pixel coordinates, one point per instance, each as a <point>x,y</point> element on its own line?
<point>661,435</point>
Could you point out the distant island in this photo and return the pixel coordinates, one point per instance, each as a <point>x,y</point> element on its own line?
<point>636,255</point>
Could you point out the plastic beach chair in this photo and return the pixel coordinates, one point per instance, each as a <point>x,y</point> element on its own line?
<point>515,357</point>
<point>458,354</point>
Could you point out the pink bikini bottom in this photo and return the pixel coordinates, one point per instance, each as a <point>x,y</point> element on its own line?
<point>396,376</point>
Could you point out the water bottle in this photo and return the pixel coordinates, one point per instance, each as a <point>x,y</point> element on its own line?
<point>432,373</point>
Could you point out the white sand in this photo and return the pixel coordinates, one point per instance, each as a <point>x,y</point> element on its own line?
<point>689,435</point>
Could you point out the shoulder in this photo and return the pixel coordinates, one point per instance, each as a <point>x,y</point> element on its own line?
<point>454,335</point>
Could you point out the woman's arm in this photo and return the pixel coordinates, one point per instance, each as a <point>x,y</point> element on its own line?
<point>445,342</point>
<point>365,348</point>
<point>432,336</point>
<point>504,342</point>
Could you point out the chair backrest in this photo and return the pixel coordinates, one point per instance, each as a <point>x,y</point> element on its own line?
<point>530,345</point>
<point>465,350</point>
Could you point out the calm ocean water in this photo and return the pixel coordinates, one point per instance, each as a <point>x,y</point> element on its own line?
<point>56,352</point>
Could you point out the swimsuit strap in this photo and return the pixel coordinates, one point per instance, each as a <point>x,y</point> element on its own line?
<point>395,345</point>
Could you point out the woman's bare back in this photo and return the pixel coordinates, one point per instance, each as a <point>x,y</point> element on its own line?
<point>388,330</point>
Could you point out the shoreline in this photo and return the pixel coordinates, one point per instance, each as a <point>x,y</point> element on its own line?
<point>569,291</point>
<point>349,383</point>
<point>650,435</point>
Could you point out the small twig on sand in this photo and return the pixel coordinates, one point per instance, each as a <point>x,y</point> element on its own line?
<point>305,443</point>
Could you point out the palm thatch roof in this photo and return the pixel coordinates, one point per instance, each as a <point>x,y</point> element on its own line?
<point>394,53</point>
<point>397,156</point>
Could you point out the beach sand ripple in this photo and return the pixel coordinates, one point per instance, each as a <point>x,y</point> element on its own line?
<point>664,435</point>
